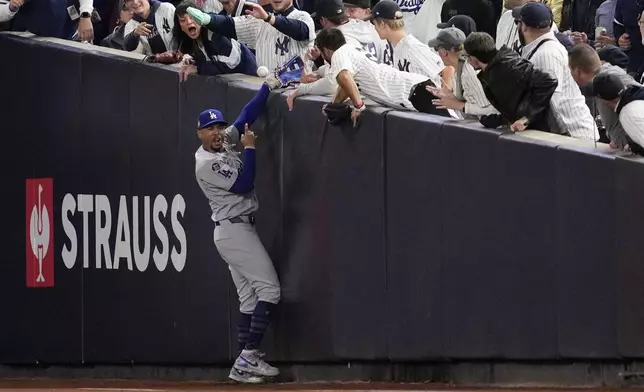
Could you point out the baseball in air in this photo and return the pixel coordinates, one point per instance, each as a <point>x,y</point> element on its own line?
<point>262,71</point>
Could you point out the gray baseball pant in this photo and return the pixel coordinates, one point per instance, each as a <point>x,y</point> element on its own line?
<point>250,266</point>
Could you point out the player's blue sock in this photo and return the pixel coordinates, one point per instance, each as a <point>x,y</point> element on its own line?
<point>243,330</point>
<point>259,324</point>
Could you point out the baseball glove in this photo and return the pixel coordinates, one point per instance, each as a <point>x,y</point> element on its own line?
<point>337,113</point>
<point>168,57</point>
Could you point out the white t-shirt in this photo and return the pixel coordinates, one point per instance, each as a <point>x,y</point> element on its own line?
<point>425,23</point>
<point>379,82</point>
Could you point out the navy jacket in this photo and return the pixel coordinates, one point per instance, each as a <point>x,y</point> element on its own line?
<point>221,55</point>
<point>626,13</point>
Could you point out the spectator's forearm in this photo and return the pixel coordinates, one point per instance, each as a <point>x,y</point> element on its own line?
<point>131,42</point>
<point>294,28</point>
<point>222,24</point>
<point>6,13</point>
<point>323,86</point>
<point>86,6</point>
<point>348,86</point>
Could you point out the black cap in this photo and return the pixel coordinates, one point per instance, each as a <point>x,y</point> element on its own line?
<point>608,86</point>
<point>386,9</point>
<point>462,22</point>
<point>533,14</point>
<point>613,55</point>
<point>357,4</point>
<point>328,8</point>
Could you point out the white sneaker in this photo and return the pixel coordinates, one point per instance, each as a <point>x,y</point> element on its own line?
<point>244,377</point>
<point>248,361</point>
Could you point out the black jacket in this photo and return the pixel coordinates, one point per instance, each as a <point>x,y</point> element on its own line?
<point>517,89</point>
<point>482,11</point>
<point>579,15</point>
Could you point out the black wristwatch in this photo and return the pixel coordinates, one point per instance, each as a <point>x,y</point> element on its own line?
<point>268,18</point>
<point>86,14</point>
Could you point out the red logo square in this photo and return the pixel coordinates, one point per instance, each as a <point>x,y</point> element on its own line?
<point>40,232</point>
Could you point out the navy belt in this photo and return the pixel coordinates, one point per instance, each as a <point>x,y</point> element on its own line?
<point>238,219</point>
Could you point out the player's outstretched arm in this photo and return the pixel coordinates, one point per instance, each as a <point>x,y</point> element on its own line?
<point>245,181</point>
<point>253,109</point>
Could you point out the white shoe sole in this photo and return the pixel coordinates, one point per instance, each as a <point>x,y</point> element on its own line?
<point>262,373</point>
<point>253,379</point>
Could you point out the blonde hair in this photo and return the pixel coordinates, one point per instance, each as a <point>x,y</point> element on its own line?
<point>392,24</point>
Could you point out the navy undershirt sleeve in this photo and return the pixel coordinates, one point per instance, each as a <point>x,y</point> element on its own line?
<point>246,179</point>
<point>294,28</point>
<point>222,24</point>
<point>131,42</point>
<point>253,109</point>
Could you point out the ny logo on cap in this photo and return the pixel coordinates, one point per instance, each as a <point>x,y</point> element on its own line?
<point>213,116</point>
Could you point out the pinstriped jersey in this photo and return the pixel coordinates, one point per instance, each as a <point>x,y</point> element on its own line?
<point>273,48</point>
<point>411,55</point>
<point>364,35</point>
<point>162,19</point>
<point>380,82</point>
<point>507,32</point>
<point>632,119</point>
<point>569,111</point>
<point>476,103</point>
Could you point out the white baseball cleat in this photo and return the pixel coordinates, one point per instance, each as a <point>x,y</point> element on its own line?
<point>244,377</point>
<point>248,361</point>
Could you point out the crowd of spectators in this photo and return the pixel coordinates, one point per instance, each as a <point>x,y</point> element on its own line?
<point>571,67</point>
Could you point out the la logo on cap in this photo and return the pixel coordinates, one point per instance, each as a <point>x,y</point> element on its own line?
<point>213,116</point>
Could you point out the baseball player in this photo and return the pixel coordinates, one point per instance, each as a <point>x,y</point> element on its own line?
<point>150,29</point>
<point>384,84</point>
<point>410,55</point>
<point>332,13</point>
<point>275,37</point>
<point>228,183</point>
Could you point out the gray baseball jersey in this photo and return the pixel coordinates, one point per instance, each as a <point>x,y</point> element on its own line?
<point>273,48</point>
<point>216,173</point>
<point>238,244</point>
<point>411,55</point>
<point>380,82</point>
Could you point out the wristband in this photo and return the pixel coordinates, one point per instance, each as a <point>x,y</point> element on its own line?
<point>268,18</point>
<point>360,108</point>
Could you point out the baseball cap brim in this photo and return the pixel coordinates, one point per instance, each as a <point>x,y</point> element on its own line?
<point>442,25</point>
<point>516,13</point>
<point>213,122</point>
<point>435,42</point>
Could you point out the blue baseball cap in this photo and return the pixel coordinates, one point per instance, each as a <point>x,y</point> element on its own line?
<point>209,117</point>
<point>533,14</point>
